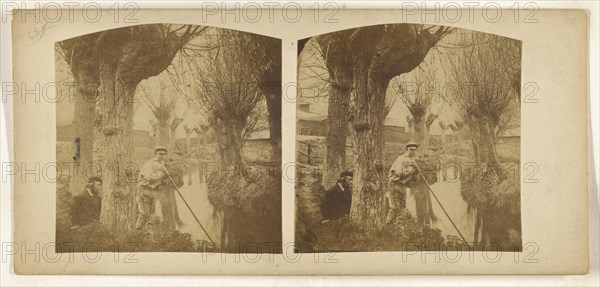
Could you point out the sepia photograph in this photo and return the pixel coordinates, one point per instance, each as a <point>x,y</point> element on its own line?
<point>408,138</point>
<point>173,133</point>
<point>318,142</point>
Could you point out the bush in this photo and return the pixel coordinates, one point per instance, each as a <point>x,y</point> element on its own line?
<point>251,207</point>
<point>498,205</point>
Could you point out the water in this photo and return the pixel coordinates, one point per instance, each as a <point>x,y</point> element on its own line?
<point>448,193</point>
<point>196,196</point>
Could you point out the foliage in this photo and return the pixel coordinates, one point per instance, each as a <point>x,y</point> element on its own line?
<point>251,205</point>
<point>483,189</point>
<point>498,203</point>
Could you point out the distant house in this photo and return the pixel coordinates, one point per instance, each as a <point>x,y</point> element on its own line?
<point>309,123</point>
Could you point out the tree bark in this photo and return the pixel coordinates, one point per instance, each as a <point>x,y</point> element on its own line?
<point>419,130</point>
<point>229,145</point>
<point>483,141</point>
<point>367,130</point>
<point>337,132</point>
<point>335,51</point>
<point>117,197</point>
<point>85,117</point>
<point>164,133</point>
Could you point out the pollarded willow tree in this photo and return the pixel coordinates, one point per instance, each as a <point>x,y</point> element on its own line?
<point>418,93</point>
<point>121,58</point>
<point>228,82</point>
<point>162,104</point>
<point>487,75</point>
<point>379,53</point>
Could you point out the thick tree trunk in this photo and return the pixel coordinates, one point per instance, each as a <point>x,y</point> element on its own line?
<point>229,146</point>
<point>85,117</point>
<point>419,130</point>
<point>411,128</point>
<point>164,133</point>
<point>367,129</point>
<point>118,184</point>
<point>483,141</point>
<point>337,131</point>
<point>489,139</point>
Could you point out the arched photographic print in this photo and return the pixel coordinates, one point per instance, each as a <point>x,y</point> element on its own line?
<point>174,135</point>
<point>408,138</point>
